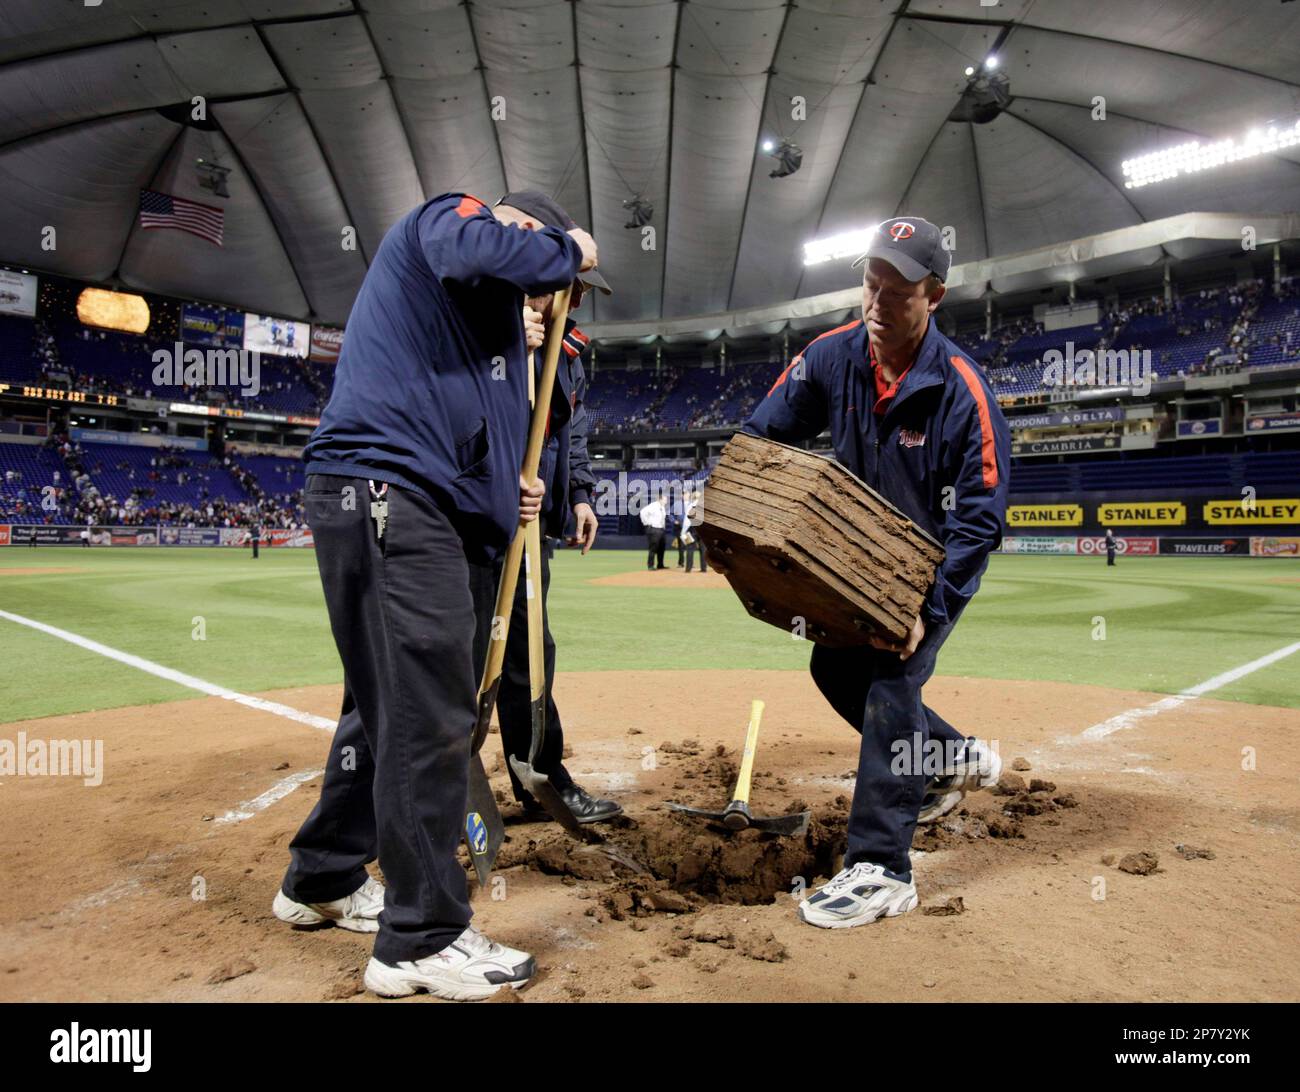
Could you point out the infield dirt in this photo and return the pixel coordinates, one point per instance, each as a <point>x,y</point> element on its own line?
<point>146,887</point>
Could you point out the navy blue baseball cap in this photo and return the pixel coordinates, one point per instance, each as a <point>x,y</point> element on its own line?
<point>911,245</point>
<point>541,206</point>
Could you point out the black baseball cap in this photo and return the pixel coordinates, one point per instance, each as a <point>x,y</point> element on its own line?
<point>911,245</point>
<point>541,206</point>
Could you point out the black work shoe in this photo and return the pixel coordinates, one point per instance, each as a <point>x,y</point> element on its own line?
<point>585,807</point>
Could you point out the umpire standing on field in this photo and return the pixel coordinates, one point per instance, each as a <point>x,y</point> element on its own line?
<point>911,415</point>
<point>413,473</point>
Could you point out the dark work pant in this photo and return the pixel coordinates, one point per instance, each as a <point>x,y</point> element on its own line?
<point>880,695</point>
<point>681,550</point>
<point>514,699</point>
<point>395,782</point>
<point>655,541</point>
<point>1110,557</point>
<point>690,555</point>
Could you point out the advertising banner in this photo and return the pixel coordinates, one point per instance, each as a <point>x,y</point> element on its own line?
<point>278,536</point>
<point>1065,447</point>
<point>17,293</point>
<point>1203,546</point>
<point>1029,544</point>
<point>189,536</point>
<point>1193,429</point>
<point>326,344</point>
<point>1044,515</point>
<point>124,536</point>
<point>1128,544</point>
<point>1241,510</point>
<point>4,534</point>
<point>1073,417</point>
<point>1272,422</point>
<point>24,534</point>
<point>1143,514</point>
<point>1275,547</point>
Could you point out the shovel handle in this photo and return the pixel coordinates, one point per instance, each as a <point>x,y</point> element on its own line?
<point>741,794</point>
<point>539,396</point>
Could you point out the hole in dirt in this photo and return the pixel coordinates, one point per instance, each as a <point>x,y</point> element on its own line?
<point>669,861</point>
<point>692,857</point>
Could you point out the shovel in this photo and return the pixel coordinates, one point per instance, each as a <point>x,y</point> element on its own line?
<point>736,815</point>
<point>484,828</point>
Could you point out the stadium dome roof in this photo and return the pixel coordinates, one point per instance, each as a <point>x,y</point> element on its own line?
<point>332,113</point>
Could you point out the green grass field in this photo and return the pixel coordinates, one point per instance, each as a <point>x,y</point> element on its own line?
<point>1169,623</point>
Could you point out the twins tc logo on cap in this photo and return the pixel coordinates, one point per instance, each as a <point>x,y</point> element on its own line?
<point>913,246</point>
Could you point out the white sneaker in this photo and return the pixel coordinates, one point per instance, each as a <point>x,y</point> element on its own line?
<point>358,912</point>
<point>470,968</point>
<point>856,896</point>
<point>979,767</point>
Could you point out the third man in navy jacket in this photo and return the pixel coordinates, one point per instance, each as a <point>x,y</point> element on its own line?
<point>911,415</point>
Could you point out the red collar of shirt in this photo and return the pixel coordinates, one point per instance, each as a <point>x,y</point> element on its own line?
<point>885,391</point>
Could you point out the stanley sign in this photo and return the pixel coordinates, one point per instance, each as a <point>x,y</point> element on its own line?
<point>1142,514</point>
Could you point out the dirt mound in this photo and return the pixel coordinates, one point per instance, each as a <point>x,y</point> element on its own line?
<point>667,862</point>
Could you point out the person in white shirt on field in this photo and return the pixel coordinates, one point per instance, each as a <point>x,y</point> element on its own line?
<point>654,516</point>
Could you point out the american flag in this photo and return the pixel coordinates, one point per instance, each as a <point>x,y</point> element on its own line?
<point>162,210</point>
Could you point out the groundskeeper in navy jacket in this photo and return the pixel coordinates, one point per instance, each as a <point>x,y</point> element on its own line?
<point>940,451</point>
<point>431,389</point>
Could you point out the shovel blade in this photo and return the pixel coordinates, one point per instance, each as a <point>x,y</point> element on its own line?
<point>549,797</point>
<point>484,828</point>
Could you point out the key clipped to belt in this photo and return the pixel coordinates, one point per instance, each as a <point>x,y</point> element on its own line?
<point>379,509</point>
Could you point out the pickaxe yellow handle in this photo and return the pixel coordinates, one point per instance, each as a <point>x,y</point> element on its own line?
<point>747,756</point>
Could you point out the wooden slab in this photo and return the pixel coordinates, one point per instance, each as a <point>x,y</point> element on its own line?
<point>810,548</point>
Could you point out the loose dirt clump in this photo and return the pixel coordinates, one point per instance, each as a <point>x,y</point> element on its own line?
<point>672,863</point>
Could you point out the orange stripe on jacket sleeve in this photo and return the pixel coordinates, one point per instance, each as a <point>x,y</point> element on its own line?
<point>988,453</point>
<point>469,206</point>
<point>786,374</point>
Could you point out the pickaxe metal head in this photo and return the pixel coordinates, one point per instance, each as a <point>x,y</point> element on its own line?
<point>737,816</point>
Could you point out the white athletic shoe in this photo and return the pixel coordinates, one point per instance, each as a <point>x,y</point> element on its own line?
<point>979,767</point>
<point>358,912</point>
<point>470,968</point>
<point>856,896</point>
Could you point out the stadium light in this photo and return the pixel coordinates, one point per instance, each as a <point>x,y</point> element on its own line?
<point>848,244</point>
<point>970,71</point>
<point>768,146</point>
<point>990,62</point>
<point>1197,156</point>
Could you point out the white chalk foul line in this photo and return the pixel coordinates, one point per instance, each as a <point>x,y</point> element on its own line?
<point>278,791</point>
<point>172,675</point>
<point>249,808</point>
<point>1130,717</point>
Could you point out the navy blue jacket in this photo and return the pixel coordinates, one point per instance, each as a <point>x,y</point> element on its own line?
<point>431,388</point>
<point>942,429</point>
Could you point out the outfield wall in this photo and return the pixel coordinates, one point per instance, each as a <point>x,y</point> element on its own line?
<point>1080,545</point>
<point>1153,545</point>
<point>47,534</point>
